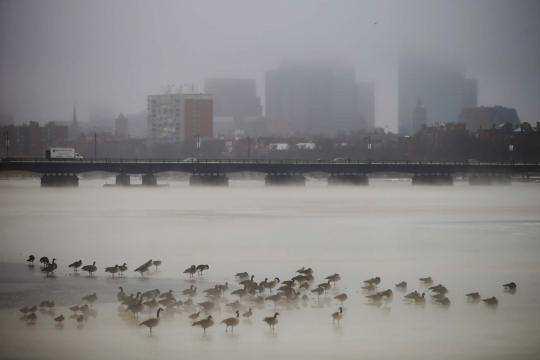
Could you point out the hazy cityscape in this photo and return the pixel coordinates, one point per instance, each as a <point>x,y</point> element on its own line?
<point>269,179</point>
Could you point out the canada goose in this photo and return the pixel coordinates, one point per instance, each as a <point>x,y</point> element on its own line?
<point>412,295</point>
<point>492,301</point>
<point>305,271</point>
<point>318,291</point>
<point>373,281</point>
<point>421,299</point>
<point>151,303</point>
<point>338,315</point>
<point>44,260</point>
<point>510,287</point>
<point>122,268</point>
<point>444,301</point>
<point>31,318</point>
<point>75,265</point>
<point>156,263</point>
<point>201,268</point>
<point>168,294</point>
<point>272,284</point>
<point>474,296</point>
<point>239,292</point>
<point>387,293</point>
<point>74,308</point>
<point>274,298</point>
<point>49,268</point>
<point>191,270</point>
<point>242,275</point>
<point>439,288</point>
<point>426,280</point>
<point>333,278</point>
<point>90,298</point>
<point>248,314</point>
<point>190,292</point>
<point>152,322</point>
<point>341,297</point>
<point>26,309</point>
<point>150,293</point>
<point>112,269</point>
<point>144,267</point>
<point>59,319</point>
<point>30,260</point>
<point>402,285</point>
<point>369,287</point>
<point>325,286</point>
<point>194,316</point>
<point>91,269</point>
<point>248,283</point>
<point>271,321</point>
<point>438,296</point>
<point>375,298</point>
<point>204,323</point>
<point>232,321</point>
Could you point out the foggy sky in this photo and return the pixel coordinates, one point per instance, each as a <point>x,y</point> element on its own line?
<point>107,55</point>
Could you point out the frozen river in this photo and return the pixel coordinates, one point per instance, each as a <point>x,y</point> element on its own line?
<point>468,238</point>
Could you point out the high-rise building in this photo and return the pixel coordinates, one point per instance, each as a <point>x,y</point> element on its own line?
<point>236,98</point>
<point>441,85</point>
<point>312,99</point>
<point>121,127</point>
<point>419,116</point>
<point>178,117</point>
<point>366,103</point>
<point>198,116</point>
<point>486,117</point>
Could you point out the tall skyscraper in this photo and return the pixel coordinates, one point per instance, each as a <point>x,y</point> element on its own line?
<point>441,85</point>
<point>366,103</point>
<point>178,117</point>
<point>312,99</point>
<point>236,98</point>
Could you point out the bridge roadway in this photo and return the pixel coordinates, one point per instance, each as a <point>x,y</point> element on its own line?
<point>138,166</point>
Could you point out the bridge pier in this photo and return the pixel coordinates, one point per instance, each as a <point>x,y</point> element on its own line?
<point>489,179</point>
<point>284,179</point>
<point>432,179</point>
<point>348,179</point>
<point>123,179</point>
<point>149,180</point>
<point>59,180</point>
<point>208,180</point>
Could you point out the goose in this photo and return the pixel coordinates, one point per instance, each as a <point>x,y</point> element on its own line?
<point>375,298</point>
<point>191,270</point>
<point>31,318</point>
<point>474,296</point>
<point>426,280</point>
<point>150,293</point>
<point>49,268</point>
<point>271,284</point>
<point>44,260</point>
<point>204,323</point>
<point>373,281</point>
<point>168,295</point>
<point>91,269</point>
<point>232,321</point>
<point>438,296</point>
<point>75,265</point>
<point>444,301</point>
<point>304,271</point>
<point>75,308</point>
<point>439,288</point>
<point>90,298</point>
<point>121,295</point>
<point>421,299</point>
<point>156,263</point>
<point>369,287</point>
<point>401,285</point>
<point>412,295</point>
<point>341,297</point>
<point>274,298</point>
<point>511,286</point>
<point>26,309</point>
<point>272,321</point>
<point>248,314</point>
<point>190,292</point>
<point>152,322</point>
<point>201,268</point>
<point>59,319</point>
<point>318,291</point>
<point>333,278</point>
<point>112,269</point>
<point>304,286</point>
<point>30,260</point>
<point>241,275</point>
<point>387,293</point>
<point>152,304</point>
<point>249,282</point>
<point>122,268</point>
<point>144,267</point>
<point>492,301</point>
<point>338,315</point>
<point>325,286</point>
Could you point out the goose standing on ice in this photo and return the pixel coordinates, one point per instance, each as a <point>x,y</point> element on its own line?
<point>201,268</point>
<point>144,267</point>
<point>338,315</point>
<point>272,321</point>
<point>248,314</point>
<point>191,270</point>
<point>30,260</point>
<point>112,270</point>
<point>91,269</point>
<point>341,297</point>
<point>122,269</point>
<point>75,265</point>
<point>232,321</point>
<point>511,287</point>
<point>492,301</point>
<point>473,297</point>
<point>152,322</point>
<point>156,263</point>
<point>402,286</point>
<point>49,268</point>
<point>204,323</point>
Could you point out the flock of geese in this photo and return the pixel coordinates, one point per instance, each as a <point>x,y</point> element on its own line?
<point>248,295</point>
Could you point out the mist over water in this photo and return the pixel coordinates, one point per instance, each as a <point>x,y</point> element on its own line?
<point>468,238</point>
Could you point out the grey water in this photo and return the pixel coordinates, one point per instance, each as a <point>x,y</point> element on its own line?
<point>470,238</point>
